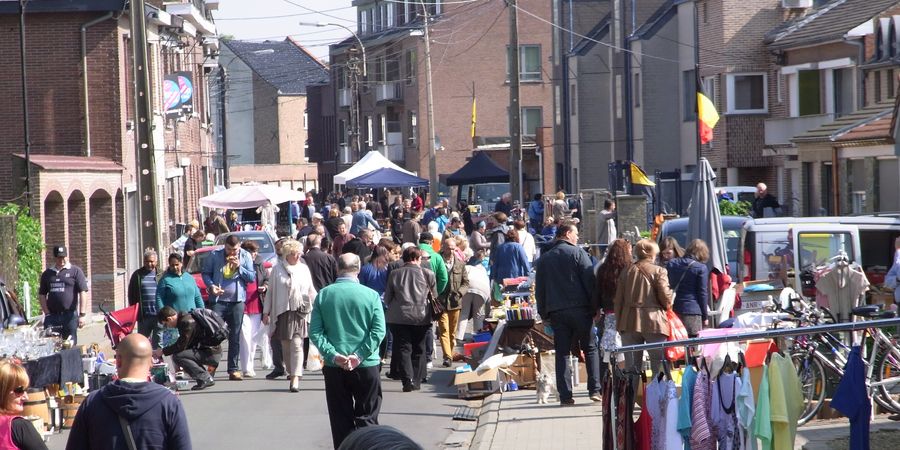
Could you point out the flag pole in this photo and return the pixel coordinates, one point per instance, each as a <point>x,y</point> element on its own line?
<point>697,83</point>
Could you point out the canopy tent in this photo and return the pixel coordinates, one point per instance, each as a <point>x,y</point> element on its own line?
<point>369,162</point>
<point>386,177</point>
<point>251,195</point>
<point>480,169</point>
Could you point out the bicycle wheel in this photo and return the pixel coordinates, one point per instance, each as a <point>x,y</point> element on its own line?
<point>887,371</point>
<point>812,382</point>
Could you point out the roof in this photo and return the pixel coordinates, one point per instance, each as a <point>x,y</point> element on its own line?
<point>73,163</point>
<point>657,20</point>
<point>12,7</point>
<point>480,169</point>
<point>285,65</point>
<point>826,23</point>
<point>871,122</point>
<point>590,40</point>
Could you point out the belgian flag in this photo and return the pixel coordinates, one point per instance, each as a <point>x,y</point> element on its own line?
<point>640,183</point>
<point>707,117</point>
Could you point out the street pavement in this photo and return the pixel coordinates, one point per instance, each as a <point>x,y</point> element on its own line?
<point>259,412</point>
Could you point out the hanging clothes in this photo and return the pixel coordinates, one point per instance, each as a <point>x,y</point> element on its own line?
<point>684,404</point>
<point>723,411</point>
<point>746,411</point>
<point>701,435</point>
<point>622,431</point>
<point>851,398</point>
<point>762,429</point>
<point>785,401</point>
<point>662,404</point>
<point>843,285</point>
<point>643,427</point>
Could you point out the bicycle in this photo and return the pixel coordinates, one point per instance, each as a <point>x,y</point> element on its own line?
<point>815,365</point>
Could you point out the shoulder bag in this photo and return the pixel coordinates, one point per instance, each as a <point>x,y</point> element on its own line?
<point>435,306</point>
<point>129,437</point>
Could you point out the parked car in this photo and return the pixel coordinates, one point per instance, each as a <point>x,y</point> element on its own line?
<point>731,225</point>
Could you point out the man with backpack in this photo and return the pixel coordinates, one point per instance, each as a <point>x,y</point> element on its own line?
<point>201,331</point>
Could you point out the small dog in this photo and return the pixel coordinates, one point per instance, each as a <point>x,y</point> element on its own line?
<point>544,387</point>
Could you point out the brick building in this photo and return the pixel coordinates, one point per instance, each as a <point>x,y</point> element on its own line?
<point>469,43</point>
<point>266,119</point>
<point>82,130</point>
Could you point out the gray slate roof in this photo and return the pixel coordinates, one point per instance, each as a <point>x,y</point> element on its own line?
<point>286,67</point>
<point>826,23</point>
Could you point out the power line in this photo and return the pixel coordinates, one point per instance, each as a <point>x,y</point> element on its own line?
<point>319,12</point>
<point>284,16</point>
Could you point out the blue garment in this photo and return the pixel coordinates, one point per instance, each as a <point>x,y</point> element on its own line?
<point>851,398</point>
<point>536,209</point>
<point>155,415</point>
<point>429,215</point>
<point>295,212</point>
<point>549,231</point>
<point>509,261</point>
<point>690,281</point>
<point>684,404</point>
<point>374,278</point>
<point>213,274</point>
<point>361,219</point>
<point>442,222</point>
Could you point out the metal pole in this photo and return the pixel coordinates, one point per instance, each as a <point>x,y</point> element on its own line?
<point>223,80</point>
<point>432,155</point>
<point>515,120</point>
<point>26,124</point>
<point>143,116</point>
<point>697,84</point>
<point>355,133</point>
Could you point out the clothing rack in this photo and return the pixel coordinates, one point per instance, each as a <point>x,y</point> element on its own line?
<point>766,334</point>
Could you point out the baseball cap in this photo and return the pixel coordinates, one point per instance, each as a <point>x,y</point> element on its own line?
<point>59,251</point>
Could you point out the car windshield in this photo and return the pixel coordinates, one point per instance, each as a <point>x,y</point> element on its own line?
<point>197,262</point>
<point>732,243</point>
<point>261,239</point>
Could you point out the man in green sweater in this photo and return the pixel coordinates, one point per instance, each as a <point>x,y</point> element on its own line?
<point>436,261</point>
<point>347,326</point>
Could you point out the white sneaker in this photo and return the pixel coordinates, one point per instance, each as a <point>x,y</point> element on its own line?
<point>429,366</point>
<point>249,374</point>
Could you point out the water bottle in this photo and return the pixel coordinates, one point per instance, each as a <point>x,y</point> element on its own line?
<point>512,386</point>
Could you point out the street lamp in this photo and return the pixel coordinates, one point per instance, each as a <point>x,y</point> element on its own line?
<point>362,48</point>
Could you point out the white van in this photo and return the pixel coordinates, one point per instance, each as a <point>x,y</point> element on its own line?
<point>769,246</point>
<point>738,193</point>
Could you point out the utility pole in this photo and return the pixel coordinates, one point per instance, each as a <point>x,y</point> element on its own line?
<point>25,121</point>
<point>432,154</point>
<point>143,137</point>
<point>515,125</point>
<point>223,80</point>
<point>353,64</point>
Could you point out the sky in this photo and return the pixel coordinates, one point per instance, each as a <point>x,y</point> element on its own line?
<point>251,21</point>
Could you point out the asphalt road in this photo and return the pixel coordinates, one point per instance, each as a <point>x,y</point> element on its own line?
<point>253,413</point>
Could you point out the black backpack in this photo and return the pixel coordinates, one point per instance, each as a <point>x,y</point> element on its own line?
<point>213,329</point>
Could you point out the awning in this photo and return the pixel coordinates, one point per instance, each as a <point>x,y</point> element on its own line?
<point>369,162</point>
<point>480,169</point>
<point>251,196</point>
<point>386,177</point>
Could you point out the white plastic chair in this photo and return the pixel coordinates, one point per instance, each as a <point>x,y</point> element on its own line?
<point>726,304</point>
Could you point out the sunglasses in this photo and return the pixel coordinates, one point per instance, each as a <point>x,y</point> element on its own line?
<point>19,390</point>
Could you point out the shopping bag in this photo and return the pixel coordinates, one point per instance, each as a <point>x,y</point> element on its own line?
<point>314,361</point>
<point>677,332</point>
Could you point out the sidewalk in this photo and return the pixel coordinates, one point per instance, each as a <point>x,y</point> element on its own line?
<point>514,420</point>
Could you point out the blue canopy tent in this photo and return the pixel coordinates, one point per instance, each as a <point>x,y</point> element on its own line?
<point>480,169</point>
<point>386,177</point>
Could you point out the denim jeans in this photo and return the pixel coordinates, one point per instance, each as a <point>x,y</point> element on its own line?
<point>65,323</point>
<point>570,325</point>
<point>233,314</point>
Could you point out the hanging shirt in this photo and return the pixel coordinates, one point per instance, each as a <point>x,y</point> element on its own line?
<point>673,438</point>
<point>701,435</point>
<point>643,427</point>
<point>684,405</point>
<point>843,286</point>
<point>851,398</point>
<point>723,415</point>
<point>785,401</point>
<point>746,411</point>
<point>762,423</point>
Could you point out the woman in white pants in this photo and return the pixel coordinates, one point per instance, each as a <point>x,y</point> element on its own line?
<point>252,331</point>
<point>472,303</point>
<point>287,307</point>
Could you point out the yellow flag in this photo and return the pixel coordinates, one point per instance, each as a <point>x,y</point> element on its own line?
<point>474,115</point>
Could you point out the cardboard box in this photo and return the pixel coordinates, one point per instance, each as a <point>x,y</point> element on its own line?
<point>473,385</point>
<point>523,371</point>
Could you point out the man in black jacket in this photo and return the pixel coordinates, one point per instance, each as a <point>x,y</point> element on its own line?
<point>565,278</point>
<point>152,414</point>
<point>322,266</point>
<point>187,351</point>
<point>360,245</point>
<point>142,290</point>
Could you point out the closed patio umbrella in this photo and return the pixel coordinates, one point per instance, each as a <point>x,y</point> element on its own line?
<point>704,221</point>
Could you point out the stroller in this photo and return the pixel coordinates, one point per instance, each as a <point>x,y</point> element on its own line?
<point>120,323</point>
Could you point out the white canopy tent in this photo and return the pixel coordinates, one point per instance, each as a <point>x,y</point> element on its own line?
<point>251,196</point>
<point>370,162</point>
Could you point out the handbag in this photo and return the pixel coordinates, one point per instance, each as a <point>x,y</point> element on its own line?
<point>434,305</point>
<point>677,332</point>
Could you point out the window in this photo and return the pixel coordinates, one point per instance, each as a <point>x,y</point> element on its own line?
<point>573,102</point>
<point>843,91</point>
<point>370,133</point>
<point>747,93</point>
<point>891,84</point>
<point>689,89</point>
<point>305,120</point>
<point>392,65</point>
<point>529,63</point>
<point>809,89</point>
<point>411,65</point>
<point>391,15</point>
<point>342,132</point>
<point>877,90</point>
<point>531,120</point>
<point>340,76</point>
<point>411,127</point>
<point>709,88</point>
<point>636,90</point>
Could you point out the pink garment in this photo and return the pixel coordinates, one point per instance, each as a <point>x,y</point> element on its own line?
<point>821,297</point>
<point>6,441</point>
<point>701,435</point>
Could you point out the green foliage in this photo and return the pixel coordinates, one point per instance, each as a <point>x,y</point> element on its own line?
<point>645,234</point>
<point>30,250</point>
<point>727,208</point>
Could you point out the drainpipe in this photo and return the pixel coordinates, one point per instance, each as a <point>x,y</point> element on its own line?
<point>860,75</point>
<point>84,76</point>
